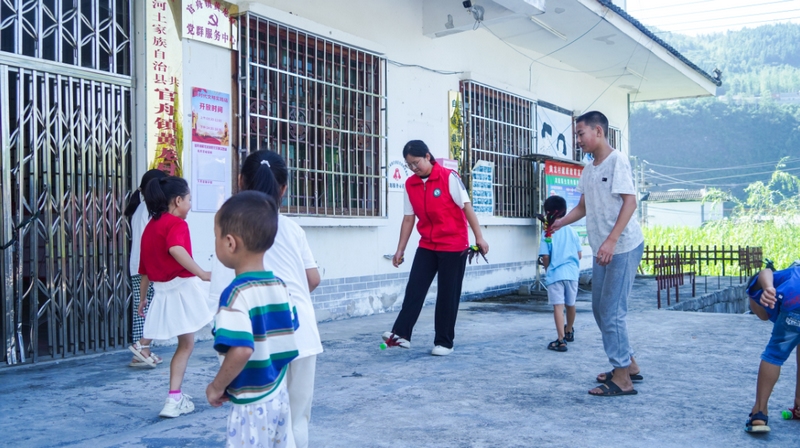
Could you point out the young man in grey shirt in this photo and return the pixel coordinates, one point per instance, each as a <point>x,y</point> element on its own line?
<point>608,202</point>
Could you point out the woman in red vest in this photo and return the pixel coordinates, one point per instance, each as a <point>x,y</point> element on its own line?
<point>437,198</point>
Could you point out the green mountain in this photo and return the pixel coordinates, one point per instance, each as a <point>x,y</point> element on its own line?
<point>753,124</point>
<point>754,61</point>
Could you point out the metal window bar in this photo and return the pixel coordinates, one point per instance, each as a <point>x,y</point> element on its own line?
<point>90,34</point>
<point>614,137</point>
<point>501,127</point>
<point>66,148</point>
<point>321,105</point>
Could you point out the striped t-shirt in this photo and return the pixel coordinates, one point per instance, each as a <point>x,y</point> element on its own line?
<point>255,311</point>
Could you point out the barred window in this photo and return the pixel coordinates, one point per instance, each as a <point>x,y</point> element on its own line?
<point>500,128</point>
<point>321,105</point>
<point>92,34</point>
<point>615,137</point>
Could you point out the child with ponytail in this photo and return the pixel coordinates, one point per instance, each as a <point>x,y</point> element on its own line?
<point>137,213</point>
<point>178,307</point>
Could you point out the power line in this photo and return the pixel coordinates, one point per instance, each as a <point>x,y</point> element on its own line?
<point>701,170</point>
<point>699,182</point>
<point>441,72</point>
<point>537,60</point>
<point>728,25</point>
<point>716,10</point>
<point>638,42</point>
<point>683,22</point>
<point>678,4</point>
<point>725,177</point>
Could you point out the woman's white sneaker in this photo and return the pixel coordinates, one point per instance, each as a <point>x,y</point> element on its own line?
<point>441,351</point>
<point>173,408</point>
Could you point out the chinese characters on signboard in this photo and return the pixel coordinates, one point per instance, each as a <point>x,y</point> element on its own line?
<point>163,79</point>
<point>211,150</point>
<point>396,175</point>
<point>211,22</point>
<point>455,127</point>
<point>562,179</point>
<point>482,189</point>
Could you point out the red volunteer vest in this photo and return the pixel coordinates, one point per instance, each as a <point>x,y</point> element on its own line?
<point>442,225</point>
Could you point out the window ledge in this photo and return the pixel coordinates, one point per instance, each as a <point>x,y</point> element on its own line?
<point>338,221</point>
<point>500,221</point>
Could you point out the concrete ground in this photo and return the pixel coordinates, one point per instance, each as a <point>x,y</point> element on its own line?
<point>499,388</point>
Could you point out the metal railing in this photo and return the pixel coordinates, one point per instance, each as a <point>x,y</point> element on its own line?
<point>322,105</point>
<point>744,261</point>
<point>65,121</point>
<point>670,273</point>
<point>500,127</point>
<point>92,35</point>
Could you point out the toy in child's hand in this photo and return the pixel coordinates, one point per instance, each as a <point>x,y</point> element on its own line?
<point>473,252</point>
<point>548,222</point>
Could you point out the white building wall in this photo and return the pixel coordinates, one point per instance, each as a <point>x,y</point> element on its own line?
<point>357,279</point>
<point>692,214</point>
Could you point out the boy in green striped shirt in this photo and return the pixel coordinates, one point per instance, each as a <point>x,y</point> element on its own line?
<point>254,326</point>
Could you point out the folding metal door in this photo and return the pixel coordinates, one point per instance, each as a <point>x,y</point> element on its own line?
<point>65,120</point>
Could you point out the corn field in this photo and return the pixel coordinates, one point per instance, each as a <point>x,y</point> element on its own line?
<point>780,241</point>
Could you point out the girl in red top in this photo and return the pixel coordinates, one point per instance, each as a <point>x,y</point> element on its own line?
<point>435,196</point>
<point>179,307</point>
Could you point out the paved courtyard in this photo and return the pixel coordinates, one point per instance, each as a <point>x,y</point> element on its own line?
<point>499,388</point>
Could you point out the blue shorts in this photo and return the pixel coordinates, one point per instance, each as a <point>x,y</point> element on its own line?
<point>785,337</point>
<point>562,292</point>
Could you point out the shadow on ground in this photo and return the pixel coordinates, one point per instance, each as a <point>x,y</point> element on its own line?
<point>499,388</point>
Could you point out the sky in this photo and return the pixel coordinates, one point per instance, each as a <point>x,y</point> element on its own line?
<point>695,17</point>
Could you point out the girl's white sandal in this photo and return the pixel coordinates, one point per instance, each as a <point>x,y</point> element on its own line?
<point>136,348</point>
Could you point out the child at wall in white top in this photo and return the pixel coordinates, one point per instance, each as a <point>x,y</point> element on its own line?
<point>137,213</point>
<point>291,260</point>
<point>179,306</point>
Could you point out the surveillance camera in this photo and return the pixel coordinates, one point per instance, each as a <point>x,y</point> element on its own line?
<point>467,4</point>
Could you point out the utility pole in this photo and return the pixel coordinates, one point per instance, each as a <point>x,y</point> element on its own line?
<point>642,192</point>
<point>637,184</point>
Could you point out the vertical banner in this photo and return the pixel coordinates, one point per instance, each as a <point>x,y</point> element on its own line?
<point>211,22</point>
<point>164,131</point>
<point>562,179</point>
<point>456,127</point>
<point>482,189</point>
<point>211,149</point>
<point>555,133</point>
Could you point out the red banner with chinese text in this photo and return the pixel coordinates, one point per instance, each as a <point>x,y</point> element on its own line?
<point>163,71</point>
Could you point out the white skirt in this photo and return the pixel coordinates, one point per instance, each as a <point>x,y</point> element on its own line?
<point>179,307</point>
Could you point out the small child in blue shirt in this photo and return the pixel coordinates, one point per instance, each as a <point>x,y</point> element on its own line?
<point>561,257</point>
<point>775,296</point>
